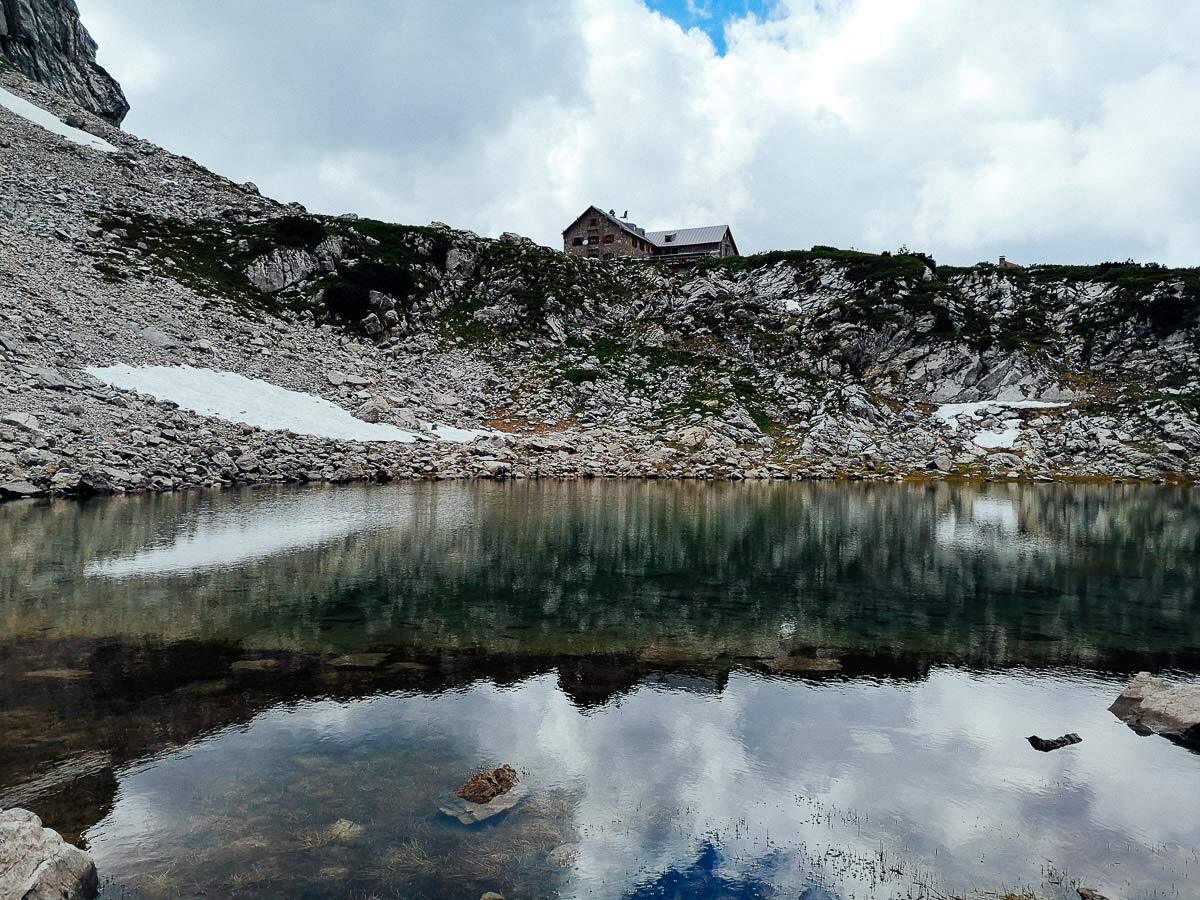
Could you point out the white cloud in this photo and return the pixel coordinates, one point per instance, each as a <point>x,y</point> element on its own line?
<point>1044,131</point>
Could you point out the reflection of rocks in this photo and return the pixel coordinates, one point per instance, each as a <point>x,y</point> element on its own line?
<point>760,539</point>
<point>37,864</point>
<point>1153,706</point>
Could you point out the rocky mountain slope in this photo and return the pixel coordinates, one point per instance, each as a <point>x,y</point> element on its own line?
<point>816,363</point>
<point>45,40</point>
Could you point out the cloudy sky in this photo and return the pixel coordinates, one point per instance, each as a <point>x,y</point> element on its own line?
<point>1047,131</point>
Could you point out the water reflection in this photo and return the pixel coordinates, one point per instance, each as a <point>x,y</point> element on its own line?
<point>801,690</point>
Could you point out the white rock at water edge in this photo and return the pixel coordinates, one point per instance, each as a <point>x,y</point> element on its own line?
<point>1155,706</point>
<point>37,864</point>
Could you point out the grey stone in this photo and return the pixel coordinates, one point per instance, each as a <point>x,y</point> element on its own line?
<point>373,410</point>
<point>23,420</point>
<point>372,324</point>
<point>1152,705</point>
<point>159,338</point>
<point>48,377</point>
<point>469,813</point>
<point>17,490</point>
<point>46,40</point>
<point>37,864</point>
<point>281,268</point>
<point>339,378</point>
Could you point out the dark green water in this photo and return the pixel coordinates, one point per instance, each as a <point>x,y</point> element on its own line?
<point>809,691</point>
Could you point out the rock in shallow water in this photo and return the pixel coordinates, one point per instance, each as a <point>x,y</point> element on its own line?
<point>1045,746</point>
<point>37,864</point>
<point>483,787</point>
<point>1154,706</point>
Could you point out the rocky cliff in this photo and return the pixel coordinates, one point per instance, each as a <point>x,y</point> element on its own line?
<point>803,364</point>
<point>46,40</point>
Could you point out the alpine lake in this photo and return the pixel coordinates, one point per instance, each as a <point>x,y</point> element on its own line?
<point>804,690</point>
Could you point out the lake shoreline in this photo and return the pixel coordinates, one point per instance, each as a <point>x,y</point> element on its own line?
<point>13,491</point>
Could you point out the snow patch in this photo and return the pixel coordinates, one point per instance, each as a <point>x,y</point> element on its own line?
<point>250,401</point>
<point>997,440</point>
<point>50,122</point>
<point>949,412</point>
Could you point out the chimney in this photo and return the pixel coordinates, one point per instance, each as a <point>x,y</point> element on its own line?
<point>1002,261</point>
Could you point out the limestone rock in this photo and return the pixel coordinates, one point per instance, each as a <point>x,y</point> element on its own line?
<point>282,268</point>
<point>17,490</point>
<point>22,420</point>
<point>46,40</point>
<point>37,864</point>
<point>373,410</point>
<point>1152,705</point>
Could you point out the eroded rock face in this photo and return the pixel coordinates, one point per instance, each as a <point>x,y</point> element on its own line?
<point>282,268</point>
<point>1154,706</point>
<point>37,864</point>
<point>46,40</point>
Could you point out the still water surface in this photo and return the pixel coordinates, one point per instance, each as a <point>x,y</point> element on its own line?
<point>806,691</point>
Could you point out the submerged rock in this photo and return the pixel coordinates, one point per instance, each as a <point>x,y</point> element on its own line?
<point>1045,746</point>
<point>800,664</point>
<point>484,795</point>
<point>468,813</point>
<point>483,787</point>
<point>343,831</point>
<point>37,864</point>
<point>1154,706</point>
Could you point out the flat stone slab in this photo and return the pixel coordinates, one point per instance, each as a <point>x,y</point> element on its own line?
<point>469,813</point>
<point>800,664</point>
<point>17,490</point>
<point>37,864</point>
<point>1155,706</point>
<point>358,661</point>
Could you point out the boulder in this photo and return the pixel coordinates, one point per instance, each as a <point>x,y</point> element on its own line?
<point>22,420</point>
<point>16,490</point>
<point>1155,706</point>
<point>156,337</point>
<point>47,377</point>
<point>37,864</point>
<point>483,787</point>
<point>282,268</point>
<point>372,324</point>
<point>1045,746</point>
<point>373,410</point>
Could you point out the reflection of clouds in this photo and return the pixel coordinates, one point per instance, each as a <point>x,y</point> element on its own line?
<point>993,523</point>
<point>938,773</point>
